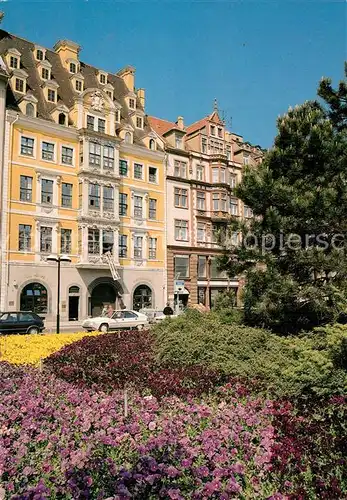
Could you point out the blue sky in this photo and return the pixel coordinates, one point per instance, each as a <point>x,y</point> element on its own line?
<point>256,58</point>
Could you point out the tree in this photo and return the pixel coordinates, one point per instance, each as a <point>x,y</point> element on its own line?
<point>293,251</point>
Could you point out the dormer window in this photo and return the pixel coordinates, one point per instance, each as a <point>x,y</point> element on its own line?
<point>128,138</point>
<point>178,141</point>
<point>79,86</point>
<point>51,95</point>
<point>102,78</point>
<point>62,119</point>
<point>109,93</point>
<point>73,68</point>
<point>30,109</point>
<point>213,130</point>
<point>132,103</point>
<point>39,55</point>
<point>28,105</point>
<point>20,85</point>
<point>13,59</point>
<point>44,69</point>
<point>50,89</point>
<point>14,62</point>
<point>117,116</point>
<point>152,144</point>
<point>77,80</point>
<point>45,74</point>
<point>220,132</point>
<point>139,122</point>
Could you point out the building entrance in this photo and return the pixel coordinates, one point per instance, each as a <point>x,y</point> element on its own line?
<point>103,294</point>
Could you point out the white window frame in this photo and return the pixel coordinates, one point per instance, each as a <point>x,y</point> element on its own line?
<point>142,122</point>
<point>234,203</point>
<point>181,239</point>
<point>200,198</point>
<point>43,68</point>
<point>49,141</point>
<point>143,214</point>
<point>96,121</point>
<point>70,146</point>
<point>55,95</point>
<point>17,58</point>
<point>200,168</point>
<point>24,85</point>
<point>78,80</point>
<point>201,226</point>
<point>27,136</point>
<point>102,74</point>
<point>156,176</point>
<point>142,178</point>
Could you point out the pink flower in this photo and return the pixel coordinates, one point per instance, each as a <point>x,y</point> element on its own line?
<point>152,425</point>
<point>172,471</point>
<point>174,494</point>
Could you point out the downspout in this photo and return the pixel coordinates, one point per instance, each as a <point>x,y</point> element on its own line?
<point>6,186</point>
<point>165,284</point>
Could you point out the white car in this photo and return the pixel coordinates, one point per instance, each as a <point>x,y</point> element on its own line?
<point>120,320</point>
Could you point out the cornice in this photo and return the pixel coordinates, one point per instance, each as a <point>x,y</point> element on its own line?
<point>41,125</point>
<point>142,151</point>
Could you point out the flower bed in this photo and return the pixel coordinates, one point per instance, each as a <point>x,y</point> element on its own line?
<point>30,349</point>
<point>115,360</point>
<point>59,441</point>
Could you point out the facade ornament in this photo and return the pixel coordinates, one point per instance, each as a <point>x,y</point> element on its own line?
<point>97,101</point>
<point>38,176</point>
<point>58,180</point>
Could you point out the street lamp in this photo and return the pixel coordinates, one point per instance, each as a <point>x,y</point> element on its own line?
<point>58,259</point>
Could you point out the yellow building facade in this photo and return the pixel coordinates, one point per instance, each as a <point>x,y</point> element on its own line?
<point>82,175</point>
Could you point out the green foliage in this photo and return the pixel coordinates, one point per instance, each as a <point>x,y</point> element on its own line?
<point>292,366</point>
<point>225,300</point>
<point>300,189</point>
<point>224,306</point>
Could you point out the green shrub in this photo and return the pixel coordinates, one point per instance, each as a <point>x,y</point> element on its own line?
<point>313,363</point>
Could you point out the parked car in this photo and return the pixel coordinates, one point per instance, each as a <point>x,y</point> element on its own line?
<point>120,320</point>
<point>153,315</point>
<point>21,322</point>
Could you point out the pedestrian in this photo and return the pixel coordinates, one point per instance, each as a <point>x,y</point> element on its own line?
<point>168,311</point>
<point>104,310</point>
<point>110,311</point>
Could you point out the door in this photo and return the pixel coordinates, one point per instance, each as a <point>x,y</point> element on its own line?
<point>116,322</point>
<point>130,319</point>
<point>73,308</point>
<point>9,323</point>
<point>25,321</point>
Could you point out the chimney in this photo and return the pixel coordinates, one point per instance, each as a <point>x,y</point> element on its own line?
<point>67,50</point>
<point>180,122</point>
<point>128,76</point>
<point>141,96</point>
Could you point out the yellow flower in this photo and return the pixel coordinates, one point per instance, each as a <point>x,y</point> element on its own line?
<point>30,349</point>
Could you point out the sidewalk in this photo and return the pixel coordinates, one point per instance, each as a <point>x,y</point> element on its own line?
<point>65,326</point>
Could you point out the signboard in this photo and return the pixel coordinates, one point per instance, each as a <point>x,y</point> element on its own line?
<point>179,286</point>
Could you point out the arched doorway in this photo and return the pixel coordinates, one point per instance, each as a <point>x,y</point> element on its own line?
<point>103,291</point>
<point>142,298</point>
<point>34,298</point>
